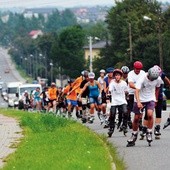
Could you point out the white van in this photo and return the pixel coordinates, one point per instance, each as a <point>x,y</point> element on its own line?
<point>12,88</point>
<point>27,87</point>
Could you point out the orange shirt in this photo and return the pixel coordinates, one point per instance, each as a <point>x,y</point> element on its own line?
<point>52,93</point>
<point>76,84</point>
<point>72,95</point>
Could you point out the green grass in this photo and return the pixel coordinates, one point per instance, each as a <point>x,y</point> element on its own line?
<point>56,143</point>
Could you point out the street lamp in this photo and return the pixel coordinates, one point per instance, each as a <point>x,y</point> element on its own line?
<point>160,40</point>
<point>51,64</point>
<point>91,53</point>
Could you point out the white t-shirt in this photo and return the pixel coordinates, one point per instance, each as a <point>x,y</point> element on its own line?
<point>147,88</point>
<point>133,77</point>
<point>118,92</point>
<point>101,81</point>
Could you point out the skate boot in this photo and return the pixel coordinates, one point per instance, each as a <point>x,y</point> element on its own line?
<point>91,119</point>
<point>140,125</point>
<point>167,123</point>
<point>84,119</point>
<point>111,130</point>
<point>78,115</point>
<point>149,137</point>
<point>69,115</point>
<point>157,132</point>
<point>106,122</point>
<point>131,141</point>
<point>124,129</point>
<point>120,128</point>
<point>129,124</point>
<point>143,132</point>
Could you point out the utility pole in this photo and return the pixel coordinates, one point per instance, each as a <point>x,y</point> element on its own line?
<point>91,57</point>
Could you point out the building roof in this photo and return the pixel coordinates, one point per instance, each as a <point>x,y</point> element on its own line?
<point>34,32</point>
<point>40,10</point>
<point>98,45</point>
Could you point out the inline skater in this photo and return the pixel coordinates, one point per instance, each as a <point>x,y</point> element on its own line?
<point>102,116</point>
<point>133,76</point>
<point>94,94</point>
<point>108,78</point>
<point>125,70</point>
<point>76,88</point>
<point>145,97</point>
<point>84,100</point>
<point>118,89</point>
<point>71,97</point>
<point>52,97</point>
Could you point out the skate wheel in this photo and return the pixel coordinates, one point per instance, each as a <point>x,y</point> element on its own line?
<point>149,144</point>
<point>141,138</point>
<point>157,137</point>
<point>130,144</point>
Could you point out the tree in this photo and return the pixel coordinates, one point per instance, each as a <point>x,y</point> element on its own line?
<point>143,35</point>
<point>70,55</point>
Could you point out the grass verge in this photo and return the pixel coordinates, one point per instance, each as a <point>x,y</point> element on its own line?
<point>56,143</point>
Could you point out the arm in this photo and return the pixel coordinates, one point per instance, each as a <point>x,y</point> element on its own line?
<point>167,81</point>
<point>157,92</point>
<point>83,89</point>
<point>132,85</point>
<point>139,104</point>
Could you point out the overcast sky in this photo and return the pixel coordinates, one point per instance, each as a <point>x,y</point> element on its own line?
<point>59,3</point>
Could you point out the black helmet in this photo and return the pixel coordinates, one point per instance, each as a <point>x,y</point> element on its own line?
<point>84,73</point>
<point>70,81</point>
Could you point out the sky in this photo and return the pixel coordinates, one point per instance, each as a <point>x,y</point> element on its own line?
<point>56,3</point>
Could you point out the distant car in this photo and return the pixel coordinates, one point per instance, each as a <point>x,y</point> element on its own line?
<point>7,70</point>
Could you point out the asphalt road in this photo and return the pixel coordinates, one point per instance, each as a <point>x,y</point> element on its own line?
<point>139,157</point>
<point>12,76</point>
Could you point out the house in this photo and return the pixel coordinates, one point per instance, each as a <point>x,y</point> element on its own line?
<point>96,48</point>
<point>35,33</point>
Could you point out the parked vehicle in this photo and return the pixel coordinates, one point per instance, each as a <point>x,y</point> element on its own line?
<point>12,88</point>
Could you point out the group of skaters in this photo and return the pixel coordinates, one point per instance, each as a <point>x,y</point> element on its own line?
<point>114,96</point>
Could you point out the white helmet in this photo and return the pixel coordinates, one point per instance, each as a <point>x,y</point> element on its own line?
<point>91,75</point>
<point>102,71</point>
<point>153,73</point>
<point>159,69</point>
<point>125,69</point>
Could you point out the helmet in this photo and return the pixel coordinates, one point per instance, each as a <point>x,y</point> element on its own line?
<point>110,70</point>
<point>125,69</point>
<point>53,84</point>
<point>159,69</point>
<point>84,73</point>
<point>70,81</point>
<point>102,71</point>
<point>138,65</point>
<point>117,71</point>
<point>91,75</point>
<point>153,73</point>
